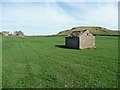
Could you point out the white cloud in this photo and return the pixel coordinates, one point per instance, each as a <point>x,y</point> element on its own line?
<point>0,15</point>
<point>54,14</point>
<point>50,18</point>
<point>43,0</point>
<point>106,16</point>
<point>46,17</point>
<point>60,0</point>
<point>97,14</point>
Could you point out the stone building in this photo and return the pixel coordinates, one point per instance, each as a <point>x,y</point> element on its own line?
<point>16,33</point>
<point>80,40</point>
<point>5,33</point>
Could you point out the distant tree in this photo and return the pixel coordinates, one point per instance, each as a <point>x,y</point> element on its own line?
<point>18,33</point>
<point>0,33</point>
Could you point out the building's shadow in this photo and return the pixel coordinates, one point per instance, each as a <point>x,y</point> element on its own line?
<point>63,46</point>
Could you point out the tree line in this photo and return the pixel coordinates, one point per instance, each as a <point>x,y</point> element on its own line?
<point>16,33</point>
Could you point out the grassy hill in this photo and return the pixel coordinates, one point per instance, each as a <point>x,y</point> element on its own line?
<point>42,62</point>
<point>93,30</point>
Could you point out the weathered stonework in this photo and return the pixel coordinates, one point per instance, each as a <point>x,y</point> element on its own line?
<point>80,40</point>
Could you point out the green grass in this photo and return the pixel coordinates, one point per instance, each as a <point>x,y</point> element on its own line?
<point>39,62</point>
<point>0,61</point>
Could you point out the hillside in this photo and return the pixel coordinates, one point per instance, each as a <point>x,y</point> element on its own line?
<point>93,30</point>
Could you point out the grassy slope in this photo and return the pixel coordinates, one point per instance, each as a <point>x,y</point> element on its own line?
<point>38,62</point>
<point>94,30</point>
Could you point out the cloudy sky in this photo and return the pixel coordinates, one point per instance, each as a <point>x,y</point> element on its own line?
<point>35,17</point>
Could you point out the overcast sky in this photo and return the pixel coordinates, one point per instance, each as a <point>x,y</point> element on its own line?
<point>44,18</point>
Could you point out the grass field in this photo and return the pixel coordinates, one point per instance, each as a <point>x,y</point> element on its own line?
<point>0,61</point>
<point>42,62</point>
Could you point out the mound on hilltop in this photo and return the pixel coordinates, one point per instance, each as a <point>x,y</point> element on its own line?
<point>93,30</point>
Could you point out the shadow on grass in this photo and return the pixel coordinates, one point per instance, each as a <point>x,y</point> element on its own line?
<point>63,46</point>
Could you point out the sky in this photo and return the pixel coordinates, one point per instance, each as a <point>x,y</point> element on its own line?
<point>38,17</point>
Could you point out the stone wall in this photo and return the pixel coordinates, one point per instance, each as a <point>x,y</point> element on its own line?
<point>80,40</point>
<point>87,41</point>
